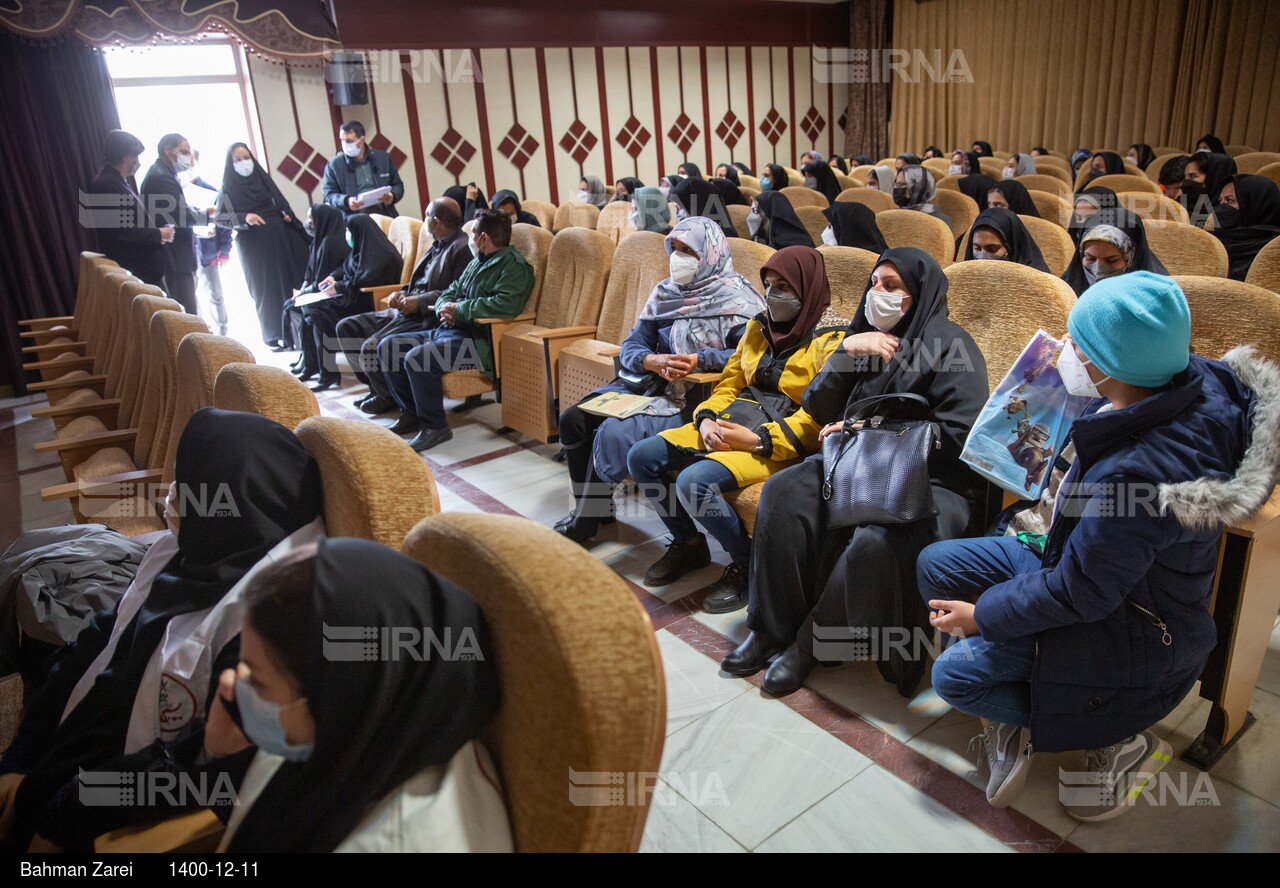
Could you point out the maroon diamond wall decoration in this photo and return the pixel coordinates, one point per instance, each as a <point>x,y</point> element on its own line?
<point>578,141</point>
<point>813,124</point>
<point>730,129</point>
<point>382,143</point>
<point>518,146</point>
<point>843,121</point>
<point>303,166</point>
<point>773,126</point>
<point>633,137</point>
<point>452,152</point>
<point>684,132</point>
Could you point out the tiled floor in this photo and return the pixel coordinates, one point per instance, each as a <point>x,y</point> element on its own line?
<point>843,765</point>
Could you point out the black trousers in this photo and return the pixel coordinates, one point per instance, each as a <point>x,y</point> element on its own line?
<point>809,579</point>
<point>360,335</point>
<point>577,436</point>
<point>181,287</point>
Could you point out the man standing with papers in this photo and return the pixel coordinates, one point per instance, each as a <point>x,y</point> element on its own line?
<point>361,179</point>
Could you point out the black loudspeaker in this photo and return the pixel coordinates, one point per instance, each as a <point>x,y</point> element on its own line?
<point>346,76</point>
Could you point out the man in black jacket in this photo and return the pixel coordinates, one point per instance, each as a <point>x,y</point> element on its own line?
<point>122,232</point>
<point>357,170</point>
<point>411,308</point>
<point>166,205</point>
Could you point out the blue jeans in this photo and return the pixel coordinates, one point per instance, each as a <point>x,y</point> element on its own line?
<point>987,679</point>
<point>697,491</point>
<point>414,365</point>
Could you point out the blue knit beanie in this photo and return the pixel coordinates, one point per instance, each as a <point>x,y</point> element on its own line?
<point>1134,327</point>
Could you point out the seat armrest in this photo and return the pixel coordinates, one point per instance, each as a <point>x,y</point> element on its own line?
<point>118,438</point>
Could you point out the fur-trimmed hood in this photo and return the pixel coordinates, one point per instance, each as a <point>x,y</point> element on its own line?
<point>1204,502</point>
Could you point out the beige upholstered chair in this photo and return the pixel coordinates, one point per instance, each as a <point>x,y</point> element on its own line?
<point>1045,182</point>
<point>874,198</point>
<point>383,222</point>
<point>375,486</point>
<point>1153,169</point>
<point>543,210</point>
<point>553,610</point>
<point>939,166</point>
<point>1185,249</point>
<point>76,332</point>
<point>1061,173</point>
<point>1153,206</point>
<point>94,459</point>
<point>1252,161</point>
<point>992,166</point>
<point>950,183</point>
<point>795,177</point>
<point>1002,304</point>
<point>614,220</point>
<point>1055,244</point>
<point>1051,162</point>
<point>62,355</point>
<point>1052,206</point>
<point>85,283</point>
<point>272,392</point>
<point>738,216</point>
<point>848,270</point>
<point>577,274</point>
<point>1227,313</point>
<point>1082,178</point>
<point>1265,270</point>
<point>1161,150</point>
<point>859,173</point>
<point>201,356</point>
<point>1124,182</point>
<point>748,258</point>
<point>813,220</point>
<point>804,197</point>
<point>639,263</point>
<point>847,181</point>
<point>912,228</point>
<point>404,232</point>
<point>575,214</point>
<point>960,208</point>
<point>1271,171</point>
<point>745,181</point>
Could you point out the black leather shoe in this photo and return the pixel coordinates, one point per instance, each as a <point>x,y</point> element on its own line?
<point>373,405</point>
<point>471,403</point>
<point>305,375</point>
<point>682,556</point>
<point>428,438</point>
<point>729,594</point>
<point>324,383</point>
<point>407,424</point>
<point>580,530</point>
<point>749,657</point>
<point>786,675</point>
<point>573,516</point>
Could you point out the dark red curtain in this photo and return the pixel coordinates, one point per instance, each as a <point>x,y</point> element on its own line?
<point>57,106</point>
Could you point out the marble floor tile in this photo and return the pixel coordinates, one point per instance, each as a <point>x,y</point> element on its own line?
<point>676,826</point>
<point>694,684</point>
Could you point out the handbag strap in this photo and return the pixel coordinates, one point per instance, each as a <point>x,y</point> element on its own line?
<point>850,412</point>
<point>787,431</point>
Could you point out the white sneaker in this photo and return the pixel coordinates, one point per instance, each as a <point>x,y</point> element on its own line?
<point>1122,770</point>
<point>1008,751</point>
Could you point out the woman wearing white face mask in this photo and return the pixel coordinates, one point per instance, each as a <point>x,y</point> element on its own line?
<point>808,577</point>
<point>591,190</point>
<point>1114,243</point>
<point>733,442</point>
<point>272,245</point>
<point>1019,165</point>
<point>690,324</point>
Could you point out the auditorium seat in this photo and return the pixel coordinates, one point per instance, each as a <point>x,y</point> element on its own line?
<point>404,234</point>
<point>794,177</point>
<point>89,362</point>
<point>1185,249</point>
<point>912,228</point>
<point>543,210</point>
<point>992,166</point>
<point>86,285</point>
<point>614,220</point>
<point>748,258</point>
<point>639,263</point>
<point>738,216</point>
<point>859,173</point>
<point>1055,244</point>
<point>846,181</point>
<point>1253,161</point>
<point>1154,168</point>
<point>1082,178</point>
<point>1265,270</point>
<point>745,181</point>
<point>874,198</point>
<point>848,270</point>
<point>78,332</point>
<point>1237,151</point>
<point>939,166</point>
<point>201,357</point>
<point>1271,171</point>
<point>577,274</point>
<point>961,208</point>
<point>1002,305</point>
<point>1059,173</point>
<point>272,392</point>
<point>1045,182</point>
<point>1126,182</point>
<point>801,196</point>
<point>575,214</point>
<point>553,610</point>
<point>1052,206</point>
<point>813,220</point>
<point>1153,206</point>
<point>1161,150</point>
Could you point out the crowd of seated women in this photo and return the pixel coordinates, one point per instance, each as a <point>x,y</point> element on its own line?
<point>1058,641</point>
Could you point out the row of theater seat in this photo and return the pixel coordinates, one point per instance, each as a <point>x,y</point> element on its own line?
<point>549,604</point>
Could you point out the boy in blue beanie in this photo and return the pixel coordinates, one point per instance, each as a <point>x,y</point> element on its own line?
<point>1088,644</point>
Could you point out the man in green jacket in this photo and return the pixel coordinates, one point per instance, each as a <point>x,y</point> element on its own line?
<point>496,284</point>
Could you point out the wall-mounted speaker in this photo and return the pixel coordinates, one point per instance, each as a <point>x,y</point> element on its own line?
<point>346,75</point>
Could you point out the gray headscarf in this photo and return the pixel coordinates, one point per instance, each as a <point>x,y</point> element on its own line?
<point>597,196</point>
<point>651,209</point>
<point>1026,165</point>
<point>884,176</point>
<point>920,188</point>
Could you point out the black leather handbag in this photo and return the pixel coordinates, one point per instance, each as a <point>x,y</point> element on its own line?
<point>878,473</point>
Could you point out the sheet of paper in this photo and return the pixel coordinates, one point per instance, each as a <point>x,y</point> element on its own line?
<point>311,298</point>
<point>373,195</point>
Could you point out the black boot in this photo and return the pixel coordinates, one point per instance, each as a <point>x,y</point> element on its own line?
<point>729,594</point>
<point>682,556</point>
<point>787,673</point>
<point>749,657</point>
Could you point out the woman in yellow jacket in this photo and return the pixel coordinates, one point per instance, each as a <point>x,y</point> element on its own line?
<point>751,427</point>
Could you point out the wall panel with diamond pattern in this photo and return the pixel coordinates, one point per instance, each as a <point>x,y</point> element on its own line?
<point>550,115</point>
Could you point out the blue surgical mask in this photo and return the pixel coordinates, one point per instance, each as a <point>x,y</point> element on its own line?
<point>262,724</point>
<point>765,183</point>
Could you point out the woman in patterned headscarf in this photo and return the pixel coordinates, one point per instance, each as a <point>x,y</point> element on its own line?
<point>691,323</point>
<point>1115,243</point>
